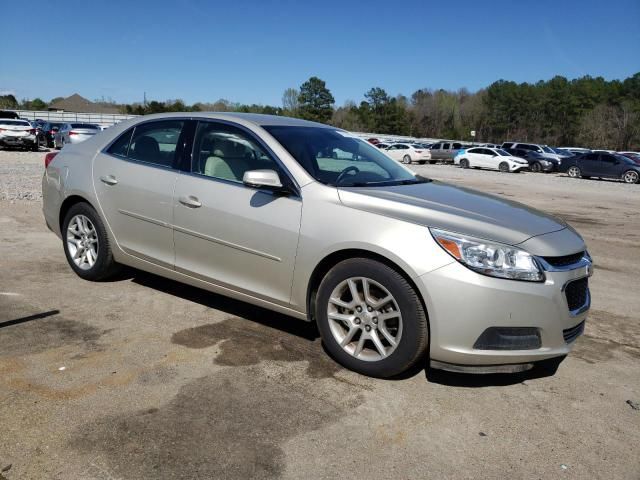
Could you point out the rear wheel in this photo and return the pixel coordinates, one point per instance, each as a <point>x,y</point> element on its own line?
<point>86,244</point>
<point>630,176</point>
<point>36,147</point>
<point>406,159</point>
<point>370,318</point>
<point>503,167</point>
<point>574,172</point>
<point>464,163</point>
<point>432,162</point>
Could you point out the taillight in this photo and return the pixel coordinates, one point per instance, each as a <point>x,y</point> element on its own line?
<point>32,131</point>
<point>48,158</point>
<point>73,133</point>
<point>418,151</point>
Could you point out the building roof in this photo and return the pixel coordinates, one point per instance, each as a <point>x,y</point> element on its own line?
<point>78,104</point>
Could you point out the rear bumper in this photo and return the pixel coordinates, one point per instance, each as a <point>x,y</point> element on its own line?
<point>463,304</point>
<point>28,141</point>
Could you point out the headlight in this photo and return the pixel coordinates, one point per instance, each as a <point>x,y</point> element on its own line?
<point>489,258</point>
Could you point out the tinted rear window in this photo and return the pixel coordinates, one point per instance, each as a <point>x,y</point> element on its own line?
<point>84,125</point>
<point>20,123</point>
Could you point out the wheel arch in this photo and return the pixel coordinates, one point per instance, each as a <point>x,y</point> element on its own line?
<point>332,259</point>
<point>69,202</point>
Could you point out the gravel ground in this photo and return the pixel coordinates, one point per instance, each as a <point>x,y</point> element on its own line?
<point>21,174</point>
<point>142,377</point>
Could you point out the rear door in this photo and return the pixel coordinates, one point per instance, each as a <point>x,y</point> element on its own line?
<point>610,166</point>
<point>589,164</point>
<point>230,234</point>
<point>134,181</point>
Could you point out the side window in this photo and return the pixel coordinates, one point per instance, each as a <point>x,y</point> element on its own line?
<point>156,142</point>
<point>121,146</point>
<point>445,146</point>
<point>435,147</point>
<point>608,159</point>
<point>590,156</point>
<point>403,147</point>
<point>474,150</point>
<point>456,146</point>
<point>507,145</point>
<point>227,152</point>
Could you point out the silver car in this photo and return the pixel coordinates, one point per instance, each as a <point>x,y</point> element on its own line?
<point>70,133</point>
<point>394,268</point>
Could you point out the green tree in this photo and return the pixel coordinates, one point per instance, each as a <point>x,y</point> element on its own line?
<point>316,101</point>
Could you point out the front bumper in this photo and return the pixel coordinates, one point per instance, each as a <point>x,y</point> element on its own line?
<point>463,304</point>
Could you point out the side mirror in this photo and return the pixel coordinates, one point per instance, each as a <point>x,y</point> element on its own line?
<point>262,178</point>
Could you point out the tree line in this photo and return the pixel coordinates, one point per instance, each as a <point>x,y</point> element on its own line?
<point>587,111</point>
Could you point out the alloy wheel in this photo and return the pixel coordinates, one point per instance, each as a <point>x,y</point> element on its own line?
<point>630,177</point>
<point>364,319</point>
<point>574,172</point>
<point>82,242</point>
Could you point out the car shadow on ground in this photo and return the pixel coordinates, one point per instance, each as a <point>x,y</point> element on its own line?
<point>309,332</point>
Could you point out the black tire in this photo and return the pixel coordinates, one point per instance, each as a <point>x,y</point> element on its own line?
<point>464,163</point>
<point>536,167</point>
<point>432,162</point>
<point>503,167</point>
<point>105,266</point>
<point>630,176</point>
<point>406,159</point>
<point>415,333</point>
<point>36,147</point>
<point>422,162</point>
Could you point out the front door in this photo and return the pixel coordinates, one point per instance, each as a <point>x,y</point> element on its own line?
<point>134,181</point>
<point>228,233</point>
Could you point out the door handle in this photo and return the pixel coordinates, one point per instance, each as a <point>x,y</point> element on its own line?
<point>108,179</point>
<point>190,201</point>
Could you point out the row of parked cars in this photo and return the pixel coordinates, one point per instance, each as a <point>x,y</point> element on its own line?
<point>518,156</point>
<point>32,135</point>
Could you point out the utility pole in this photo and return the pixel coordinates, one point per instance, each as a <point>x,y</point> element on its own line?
<point>144,102</point>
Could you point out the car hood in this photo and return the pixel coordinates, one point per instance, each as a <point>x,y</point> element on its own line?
<point>456,209</point>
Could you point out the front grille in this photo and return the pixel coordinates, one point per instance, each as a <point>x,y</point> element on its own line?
<point>570,334</point>
<point>577,293</point>
<point>564,260</point>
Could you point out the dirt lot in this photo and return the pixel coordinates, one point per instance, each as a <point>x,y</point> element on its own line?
<point>146,378</point>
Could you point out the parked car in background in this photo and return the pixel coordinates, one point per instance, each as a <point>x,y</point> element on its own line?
<point>542,149</point>
<point>602,165</point>
<point>50,129</point>
<point>9,114</point>
<point>491,158</point>
<point>635,156</point>
<point>576,150</point>
<point>41,136</point>
<point>538,162</point>
<point>74,133</point>
<point>16,133</point>
<point>382,146</point>
<point>394,269</point>
<point>562,152</point>
<point>408,153</point>
<point>444,151</point>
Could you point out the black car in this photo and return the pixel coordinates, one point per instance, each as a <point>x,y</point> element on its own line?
<point>602,165</point>
<point>537,161</point>
<point>50,129</point>
<point>9,114</point>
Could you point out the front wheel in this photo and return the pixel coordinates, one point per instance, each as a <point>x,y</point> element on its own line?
<point>503,167</point>
<point>464,163</point>
<point>370,318</point>
<point>86,244</point>
<point>536,167</point>
<point>574,172</point>
<point>630,176</point>
<point>406,159</point>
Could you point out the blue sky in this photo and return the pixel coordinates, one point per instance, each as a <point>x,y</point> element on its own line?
<point>250,51</point>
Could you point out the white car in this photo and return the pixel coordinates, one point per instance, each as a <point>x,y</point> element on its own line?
<point>408,153</point>
<point>493,158</point>
<point>18,133</point>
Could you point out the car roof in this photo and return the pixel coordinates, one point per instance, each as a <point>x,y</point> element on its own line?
<point>259,119</point>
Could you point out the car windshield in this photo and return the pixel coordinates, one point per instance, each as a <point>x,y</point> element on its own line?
<point>502,152</point>
<point>547,149</point>
<point>336,158</point>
